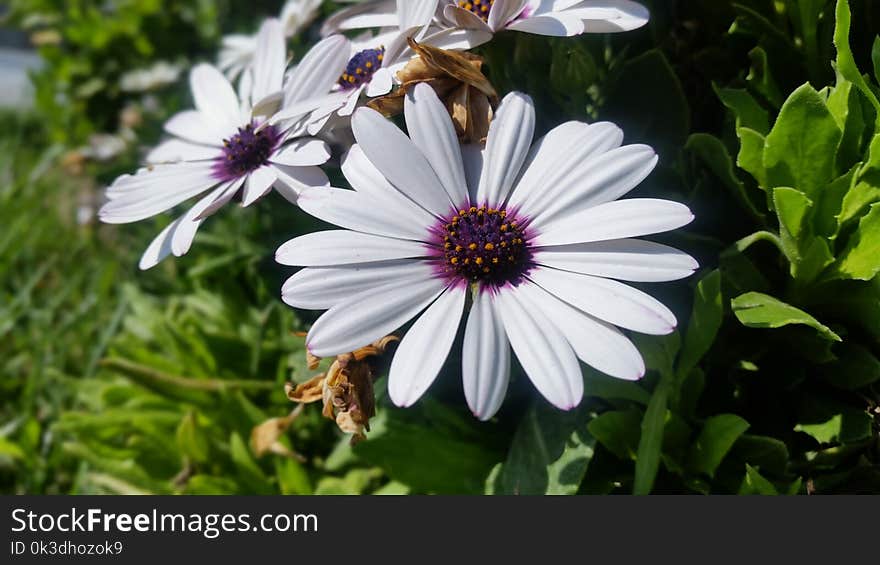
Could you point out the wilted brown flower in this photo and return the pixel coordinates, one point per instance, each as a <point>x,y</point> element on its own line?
<point>457,79</point>
<point>346,389</point>
<point>265,438</point>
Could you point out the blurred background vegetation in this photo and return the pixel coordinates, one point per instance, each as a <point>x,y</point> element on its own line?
<point>117,381</point>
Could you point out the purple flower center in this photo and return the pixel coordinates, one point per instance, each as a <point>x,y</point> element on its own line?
<point>246,151</point>
<point>479,7</point>
<point>485,245</point>
<point>361,68</point>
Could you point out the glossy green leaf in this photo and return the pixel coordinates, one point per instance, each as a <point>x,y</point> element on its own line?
<point>757,310</point>
<point>755,484</point>
<point>618,432</point>
<point>860,260</point>
<point>796,151</point>
<point>846,62</point>
<point>550,453</point>
<point>715,440</point>
<point>706,316</point>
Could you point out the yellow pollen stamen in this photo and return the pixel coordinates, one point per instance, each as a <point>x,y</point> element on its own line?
<point>472,246</point>
<point>489,246</point>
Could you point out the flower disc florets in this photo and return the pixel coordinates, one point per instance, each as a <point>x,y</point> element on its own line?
<point>247,151</point>
<point>479,7</point>
<point>361,67</point>
<point>482,244</point>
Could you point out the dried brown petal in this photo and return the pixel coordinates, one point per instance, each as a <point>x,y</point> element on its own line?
<point>265,438</point>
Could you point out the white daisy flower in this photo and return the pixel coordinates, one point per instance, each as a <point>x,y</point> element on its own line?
<point>528,240</point>
<point>234,145</point>
<point>237,50</point>
<point>480,19</point>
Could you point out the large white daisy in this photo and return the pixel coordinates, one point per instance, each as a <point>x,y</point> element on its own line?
<point>525,240</point>
<point>480,19</point>
<point>234,145</point>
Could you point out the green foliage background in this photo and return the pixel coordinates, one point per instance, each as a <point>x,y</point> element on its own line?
<point>765,114</point>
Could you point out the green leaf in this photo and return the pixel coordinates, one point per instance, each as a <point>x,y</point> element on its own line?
<point>751,155</point>
<point>796,152</point>
<point>760,77</point>
<point>714,155</point>
<point>765,452</point>
<point>618,431</point>
<point>856,367</point>
<point>757,310</point>
<point>792,206</point>
<point>866,186</point>
<point>651,439</point>
<point>292,476</point>
<point>845,105</point>
<point>10,449</point>
<point>549,454</point>
<point>753,483</point>
<point>717,437</point>
<point>846,427</point>
<point>431,448</point>
<point>875,58</point>
<point>846,63</point>
<point>191,439</point>
<point>861,258</point>
<point>706,316</point>
<point>749,113</point>
<point>602,386</point>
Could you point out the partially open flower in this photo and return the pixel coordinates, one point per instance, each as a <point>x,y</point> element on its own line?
<point>346,389</point>
<point>459,82</point>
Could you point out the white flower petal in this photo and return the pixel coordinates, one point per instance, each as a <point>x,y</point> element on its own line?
<point>542,350</point>
<point>159,248</point>
<point>175,150</point>
<point>370,315</point>
<point>192,125</point>
<point>318,71</point>
<point>464,19</point>
<point>507,146</point>
<point>380,84</point>
<point>433,133</point>
<point>599,179</point>
<point>365,178</point>
<point>341,247</point>
<point>319,288</point>
<point>610,16</point>
<point>555,157</point>
<point>214,97</point>
<point>551,24</point>
<point>270,60</point>
<point>596,343</point>
<point>378,14</point>
<point>293,180</point>
<point>399,161</point>
<point>616,220</point>
<point>258,183</point>
<point>424,349</point>
<point>472,159</point>
<point>185,232</point>
<point>623,259</point>
<point>458,39</point>
<point>503,11</point>
<point>608,300</point>
<point>415,13</point>
<point>302,152</point>
<point>155,190</point>
<point>485,359</point>
<point>354,211</point>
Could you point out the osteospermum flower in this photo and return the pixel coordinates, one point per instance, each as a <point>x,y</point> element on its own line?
<point>525,241</point>
<point>232,147</point>
<point>237,50</point>
<point>480,19</point>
